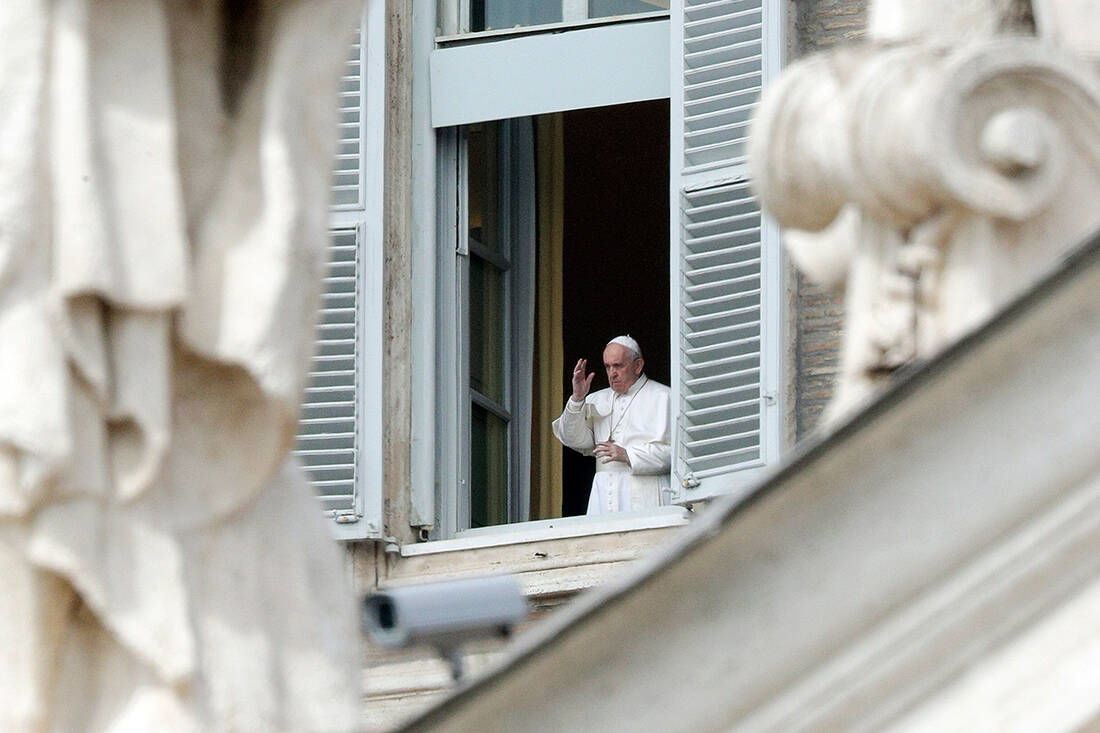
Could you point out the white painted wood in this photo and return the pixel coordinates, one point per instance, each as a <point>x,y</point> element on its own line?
<point>454,319</point>
<point>346,191</point>
<point>515,265</point>
<point>536,74</point>
<point>326,441</point>
<point>444,342</point>
<point>372,291</point>
<point>727,266</point>
<point>356,252</point>
<point>521,320</point>
<point>429,199</point>
<point>949,526</point>
<point>368,499</point>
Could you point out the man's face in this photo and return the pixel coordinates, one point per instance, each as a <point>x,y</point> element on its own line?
<point>622,369</point>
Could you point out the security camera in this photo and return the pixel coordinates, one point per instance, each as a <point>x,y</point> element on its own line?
<point>445,615</point>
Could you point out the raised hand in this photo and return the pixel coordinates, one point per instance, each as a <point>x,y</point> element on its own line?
<point>581,383</point>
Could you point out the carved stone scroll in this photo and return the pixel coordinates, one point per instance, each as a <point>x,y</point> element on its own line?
<point>930,183</point>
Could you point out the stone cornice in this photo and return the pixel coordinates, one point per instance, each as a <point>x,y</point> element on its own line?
<point>860,584</point>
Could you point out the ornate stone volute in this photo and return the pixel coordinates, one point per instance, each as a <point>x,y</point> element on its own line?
<point>933,172</point>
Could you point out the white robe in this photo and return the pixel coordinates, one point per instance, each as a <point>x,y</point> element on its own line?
<point>642,426</point>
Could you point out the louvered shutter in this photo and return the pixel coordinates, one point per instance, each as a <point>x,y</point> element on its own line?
<point>327,429</point>
<point>347,176</point>
<point>339,445</point>
<point>727,281</point>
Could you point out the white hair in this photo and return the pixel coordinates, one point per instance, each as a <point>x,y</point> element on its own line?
<point>628,342</point>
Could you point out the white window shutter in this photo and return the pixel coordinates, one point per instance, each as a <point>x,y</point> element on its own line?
<point>327,429</point>
<point>721,77</point>
<point>340,431</point>
<point>727,270</point>
<point>347,175</point>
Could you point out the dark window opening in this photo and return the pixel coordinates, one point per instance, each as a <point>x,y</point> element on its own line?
<point>568,231</point>
<point>616,241</point>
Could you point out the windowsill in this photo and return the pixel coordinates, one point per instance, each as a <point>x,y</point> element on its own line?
<point>553,529</point>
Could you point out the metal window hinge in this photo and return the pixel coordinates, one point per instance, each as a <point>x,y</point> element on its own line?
<point>770,398</point>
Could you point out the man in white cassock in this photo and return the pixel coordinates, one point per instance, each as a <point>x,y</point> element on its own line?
<point>627,427</point>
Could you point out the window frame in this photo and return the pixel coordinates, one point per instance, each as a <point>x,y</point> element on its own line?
<point>438,464</point>
<point>454,391</point>
<point>453,20</point>
<point>539,73</point>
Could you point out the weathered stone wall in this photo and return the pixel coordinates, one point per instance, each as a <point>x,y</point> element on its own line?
<point>817,350</point>
<point>820,24</point>
<point>816,25</point>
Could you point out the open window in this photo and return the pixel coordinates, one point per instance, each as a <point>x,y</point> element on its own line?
<point>712,326</point>
<point>578,221</point>
<point>566,187</point>
<point>561,245</point>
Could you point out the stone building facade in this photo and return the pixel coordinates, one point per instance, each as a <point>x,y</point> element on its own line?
<point>404,538</point>
<point>819,313</point>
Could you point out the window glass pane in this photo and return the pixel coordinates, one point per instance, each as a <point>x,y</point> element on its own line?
<point>504,15</point>
<point>484,184</point>
<point>486,329</point>
<point>488,15</point>
<point>605,8</point>
<point>488,468</point>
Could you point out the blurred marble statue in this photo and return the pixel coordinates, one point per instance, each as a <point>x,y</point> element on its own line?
<point>164,171</point>
<point>934,172</point>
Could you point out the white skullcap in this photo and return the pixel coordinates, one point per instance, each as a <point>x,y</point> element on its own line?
<point>629,343</point>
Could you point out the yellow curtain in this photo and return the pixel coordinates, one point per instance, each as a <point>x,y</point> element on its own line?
<point>549,393</point>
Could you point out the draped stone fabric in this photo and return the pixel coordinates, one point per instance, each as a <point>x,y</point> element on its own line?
<point>164,169</point>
